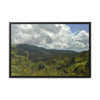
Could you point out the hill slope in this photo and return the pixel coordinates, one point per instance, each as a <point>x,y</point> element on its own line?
<point>48,62</point>
<point>37,53</point>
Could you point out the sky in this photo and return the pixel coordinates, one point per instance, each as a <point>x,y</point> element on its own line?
<point>52,36</point>
<point>78,27</point>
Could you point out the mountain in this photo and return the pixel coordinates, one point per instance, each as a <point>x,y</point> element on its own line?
<point>29,60</point>
<point>37,53</point>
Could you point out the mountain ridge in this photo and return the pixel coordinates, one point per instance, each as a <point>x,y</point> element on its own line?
<point>33,61</point>
<point>35,53</point>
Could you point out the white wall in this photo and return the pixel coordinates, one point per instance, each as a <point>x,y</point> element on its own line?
<point>49,10</point>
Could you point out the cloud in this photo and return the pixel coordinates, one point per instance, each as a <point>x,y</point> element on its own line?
<point>50,36</point>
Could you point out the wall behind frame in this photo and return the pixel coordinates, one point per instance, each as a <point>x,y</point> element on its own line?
<point>43,10</point>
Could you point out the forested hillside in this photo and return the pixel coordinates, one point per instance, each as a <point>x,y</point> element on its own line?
<point>38,53</point>
<point>29,60</point>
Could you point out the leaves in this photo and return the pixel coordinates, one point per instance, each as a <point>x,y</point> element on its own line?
<point>59,65</point>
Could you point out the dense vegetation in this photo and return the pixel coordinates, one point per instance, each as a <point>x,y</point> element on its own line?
<point>34,61</point>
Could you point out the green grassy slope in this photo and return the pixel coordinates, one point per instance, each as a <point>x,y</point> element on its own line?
<point>57,65</point>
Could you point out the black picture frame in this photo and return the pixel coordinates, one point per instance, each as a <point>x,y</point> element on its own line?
<point>10,23</point>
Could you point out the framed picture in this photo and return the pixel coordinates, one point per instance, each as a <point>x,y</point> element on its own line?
<point>50,50</point>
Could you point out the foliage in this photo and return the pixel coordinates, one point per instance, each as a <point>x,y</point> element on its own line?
<point>58,65</point>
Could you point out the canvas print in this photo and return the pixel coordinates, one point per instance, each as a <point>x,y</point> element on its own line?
<point>50,49</point>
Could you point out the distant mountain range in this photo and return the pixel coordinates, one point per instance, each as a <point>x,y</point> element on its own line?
<point>37,53</point>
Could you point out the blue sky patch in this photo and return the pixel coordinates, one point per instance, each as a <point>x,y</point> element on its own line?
<point>79,27</point>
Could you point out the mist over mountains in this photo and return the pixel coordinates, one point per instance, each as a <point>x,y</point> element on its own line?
<point>51,36</point>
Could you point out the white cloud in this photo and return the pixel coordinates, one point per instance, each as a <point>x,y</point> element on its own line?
<point>51,36</point>
<point>24,26</point>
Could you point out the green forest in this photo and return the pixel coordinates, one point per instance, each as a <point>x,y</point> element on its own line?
<point>27,60</point>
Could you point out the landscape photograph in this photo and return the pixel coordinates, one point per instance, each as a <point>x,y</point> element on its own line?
<point>49,49</point>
